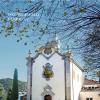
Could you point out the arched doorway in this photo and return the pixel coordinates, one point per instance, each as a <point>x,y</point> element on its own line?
<point>47,97</point>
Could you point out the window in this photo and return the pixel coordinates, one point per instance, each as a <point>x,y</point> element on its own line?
<point>93,87</point>
<point>89,88</point>
<point>89,98</point>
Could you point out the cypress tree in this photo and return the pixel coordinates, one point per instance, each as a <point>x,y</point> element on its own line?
<point>15,86</point>
<point>9,95</point>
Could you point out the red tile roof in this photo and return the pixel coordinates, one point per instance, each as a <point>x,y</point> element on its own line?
<point>89,87</point>
<point>90,82</point>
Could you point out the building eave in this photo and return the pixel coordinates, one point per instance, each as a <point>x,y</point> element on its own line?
<point>77,64</point>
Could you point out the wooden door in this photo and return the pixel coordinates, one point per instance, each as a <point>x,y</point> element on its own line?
<point>47,97</point>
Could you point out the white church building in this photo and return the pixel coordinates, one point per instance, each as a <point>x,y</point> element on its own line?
<point>52,75</point>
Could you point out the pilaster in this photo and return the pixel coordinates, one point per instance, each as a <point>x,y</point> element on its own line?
<point>29,64</point>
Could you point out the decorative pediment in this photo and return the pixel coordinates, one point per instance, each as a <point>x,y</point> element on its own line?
<point>49,48</point>
<point>47,91</point>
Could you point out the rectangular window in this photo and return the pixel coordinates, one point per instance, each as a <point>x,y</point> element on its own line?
<point>91,98</point>
<point>87,98</point>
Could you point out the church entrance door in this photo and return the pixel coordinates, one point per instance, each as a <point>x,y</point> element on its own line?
<point>47,97</point>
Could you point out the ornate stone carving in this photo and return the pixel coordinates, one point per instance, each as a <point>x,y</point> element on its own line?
<point>48,73</point>
<point>48,51</point>
<point>47,91</point>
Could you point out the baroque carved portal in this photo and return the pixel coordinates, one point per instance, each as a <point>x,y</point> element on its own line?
<point>47,93</point>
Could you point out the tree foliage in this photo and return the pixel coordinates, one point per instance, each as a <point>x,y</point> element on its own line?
<point>9,95</point>
<point>84,26</point>
<point>38,21</point>
<point>2,92</point>
<point>15,86</point>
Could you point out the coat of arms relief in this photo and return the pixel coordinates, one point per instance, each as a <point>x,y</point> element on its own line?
<point>48,72</point>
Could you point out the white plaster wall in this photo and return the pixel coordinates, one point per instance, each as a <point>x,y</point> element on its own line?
<point>90,94</point>
<point>76,84</point>
<point>28,82</point>
<point>57,82</point>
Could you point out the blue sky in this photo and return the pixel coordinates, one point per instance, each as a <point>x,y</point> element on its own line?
<point>12,55</point>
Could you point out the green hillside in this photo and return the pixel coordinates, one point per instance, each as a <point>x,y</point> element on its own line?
<point>7,84</point>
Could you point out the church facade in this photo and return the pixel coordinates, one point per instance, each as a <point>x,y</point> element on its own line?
<point>52,75</point>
